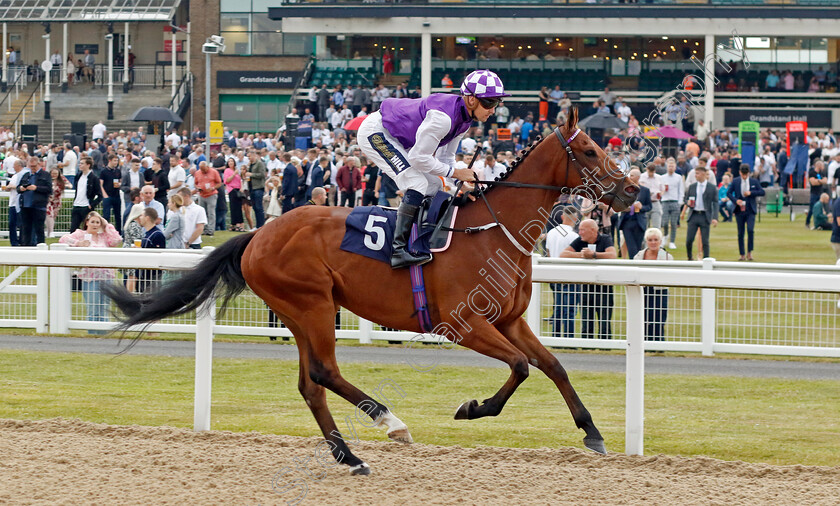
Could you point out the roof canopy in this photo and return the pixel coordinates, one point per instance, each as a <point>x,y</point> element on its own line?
<point>64,11</point>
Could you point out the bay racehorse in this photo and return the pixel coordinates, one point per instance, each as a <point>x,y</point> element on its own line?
<point>477,290</point>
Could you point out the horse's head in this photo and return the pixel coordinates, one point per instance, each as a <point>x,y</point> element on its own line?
<point>590,172</point>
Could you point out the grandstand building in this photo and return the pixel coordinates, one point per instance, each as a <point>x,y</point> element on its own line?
<point>276,51</point>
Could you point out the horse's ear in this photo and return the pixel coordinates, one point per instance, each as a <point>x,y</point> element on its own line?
<point>573,118</point>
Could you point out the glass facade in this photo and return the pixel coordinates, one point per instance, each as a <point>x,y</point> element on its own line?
<point>248,31</point>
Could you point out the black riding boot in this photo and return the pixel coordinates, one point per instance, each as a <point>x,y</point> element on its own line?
<point>400,256</point>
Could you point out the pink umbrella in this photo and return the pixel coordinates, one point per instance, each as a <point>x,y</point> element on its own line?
<point>669,132</point>
<point>354,123</point>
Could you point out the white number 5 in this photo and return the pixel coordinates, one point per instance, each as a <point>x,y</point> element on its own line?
<point>377,230</point>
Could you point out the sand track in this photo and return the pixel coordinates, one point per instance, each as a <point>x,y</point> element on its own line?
<point>63,461</point>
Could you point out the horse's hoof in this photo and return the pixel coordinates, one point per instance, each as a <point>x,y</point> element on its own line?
<point>596,445</point>
<point>463,412</point>
<point>360,470</point>
<point>401,436</point>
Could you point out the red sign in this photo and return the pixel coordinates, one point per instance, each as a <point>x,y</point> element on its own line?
<point>167,45</point>
<point>503,134</point>
<point>797,131</point>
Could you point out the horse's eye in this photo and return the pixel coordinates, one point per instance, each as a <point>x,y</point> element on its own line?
<point>590,153</point>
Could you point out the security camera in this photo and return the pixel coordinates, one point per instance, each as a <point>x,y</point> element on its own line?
<point>109,36</point>
<point>218,39</point>
<point>210,48</point>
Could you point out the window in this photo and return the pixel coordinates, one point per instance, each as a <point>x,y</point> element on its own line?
<point>256,34</point>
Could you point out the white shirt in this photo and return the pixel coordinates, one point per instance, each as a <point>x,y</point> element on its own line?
<point>674,182</point>
<point>9,164</point>
<point>81,199</point>
<point>273,165</point>
<point>174,139</point>
<point>134,179</point>
<point>654,184</point>
<point>558,239</point>
<point>176,174</point>
<point>14,196</point>
<point>193,216</point>
<point>99,130</point>
<point>624,113</point>
<point>502,114</point>
<point>72,161</point>
<point>468,145</point>
<point>699,205</point>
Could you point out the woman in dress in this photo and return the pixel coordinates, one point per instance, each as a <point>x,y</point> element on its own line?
<point>71,69</point>
<point>173,233</point>
<point>59,183</point>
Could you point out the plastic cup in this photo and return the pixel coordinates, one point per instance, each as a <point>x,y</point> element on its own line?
<point>138,243</point>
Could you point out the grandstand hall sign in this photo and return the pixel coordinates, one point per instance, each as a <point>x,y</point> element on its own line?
<point>778,118</point>
<point>257,79</point>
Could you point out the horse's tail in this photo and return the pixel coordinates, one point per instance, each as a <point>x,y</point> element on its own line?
<point>220,274</point>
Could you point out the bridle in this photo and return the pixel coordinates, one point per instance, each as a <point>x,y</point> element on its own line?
<point>570,159</point>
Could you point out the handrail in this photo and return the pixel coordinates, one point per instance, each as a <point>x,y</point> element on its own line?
<point>13,86</point>
<point>23,109</point>
<point>182,93</point>
<point>304,80</point>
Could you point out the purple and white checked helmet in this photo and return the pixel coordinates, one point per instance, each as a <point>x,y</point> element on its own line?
<point>483,84</point>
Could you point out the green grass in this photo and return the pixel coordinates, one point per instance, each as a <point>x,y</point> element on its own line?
<point>755,420</point>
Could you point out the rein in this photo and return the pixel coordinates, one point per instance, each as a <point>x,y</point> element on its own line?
<point>479,189</point>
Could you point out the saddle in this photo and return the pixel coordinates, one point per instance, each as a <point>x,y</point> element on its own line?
<point>370,230</point>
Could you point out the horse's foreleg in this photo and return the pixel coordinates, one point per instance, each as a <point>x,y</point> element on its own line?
<point>488,341</point>
<point>519,334</point>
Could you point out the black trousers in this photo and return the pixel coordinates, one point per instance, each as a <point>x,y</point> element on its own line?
<point>32,227</point>
<point>77,217</point>
<point>596,301</point>
<point>656,313</point>
<point>697,220</point>
<point>235,207</point>
<point>745,219</point>
<point>348,199</point>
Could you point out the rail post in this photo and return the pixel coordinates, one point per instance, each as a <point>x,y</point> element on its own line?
<point>635,395</point>
<point>61,295</point>
<point>708,309</point>
<point>204,324</point>
<point>533,315</point>
<point>365,328</point>
<point>42,296</point>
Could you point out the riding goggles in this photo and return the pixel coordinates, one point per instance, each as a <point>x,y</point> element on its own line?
<point>489,103</point>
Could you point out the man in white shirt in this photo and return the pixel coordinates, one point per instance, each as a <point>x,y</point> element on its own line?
<point>653,182</point>
<point>468,145</point>
<point>99,131</point>
<point>502,115</point>
<point>672,197</point>
<point>622,110</point>
<point>177,178</point>
<point>195,218</point>
<point>274,165</point>
<point>174,139</point>
<point>9,163</point>
<point>566,295</point>
<point>69,163</point>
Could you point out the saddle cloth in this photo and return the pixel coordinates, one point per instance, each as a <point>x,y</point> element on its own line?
<point>369,231</point>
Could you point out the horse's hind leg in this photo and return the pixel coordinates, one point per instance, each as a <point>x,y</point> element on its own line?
<point>323,370</point>
<point>486,340</point>
<point>519,334</point>
<point>316,398</point>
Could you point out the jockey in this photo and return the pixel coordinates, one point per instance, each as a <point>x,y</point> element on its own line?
<point>414,141</point>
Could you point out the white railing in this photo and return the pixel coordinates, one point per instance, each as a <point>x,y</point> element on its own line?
<point>53,306</point>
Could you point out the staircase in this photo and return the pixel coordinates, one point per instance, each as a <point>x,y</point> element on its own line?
<point>90,105</point>
<point>12,106</point>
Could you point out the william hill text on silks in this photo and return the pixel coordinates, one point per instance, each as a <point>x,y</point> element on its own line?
<point>394,158</point>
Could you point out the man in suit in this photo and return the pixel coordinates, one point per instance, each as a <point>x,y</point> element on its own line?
<point>290,183</point>
<point>633,221</point>
<point>88,193</point>
<point>743,192</point>
<point>316,175</point>
<point>34,189</point>
<point>701,207</point>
